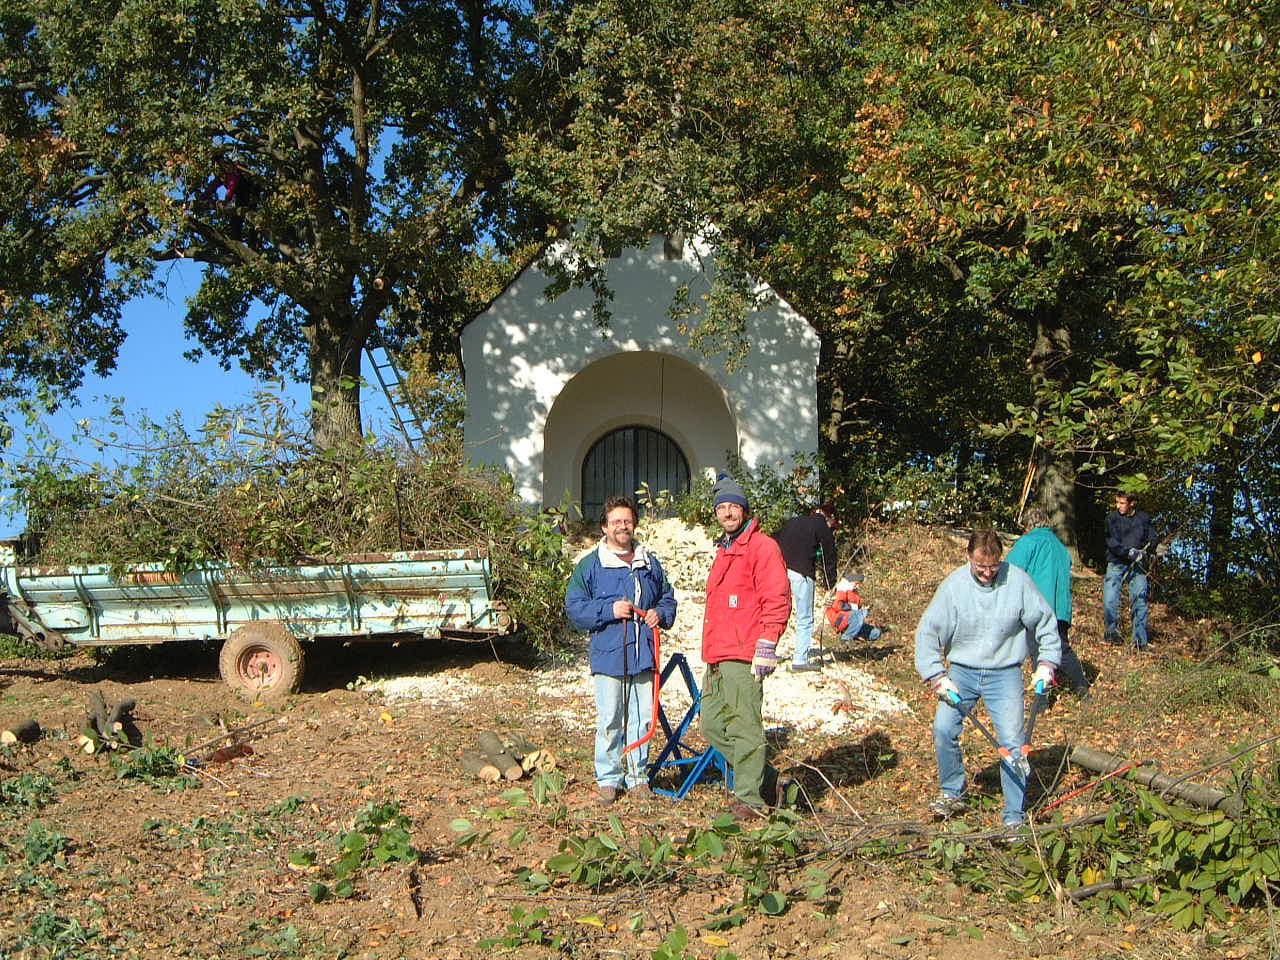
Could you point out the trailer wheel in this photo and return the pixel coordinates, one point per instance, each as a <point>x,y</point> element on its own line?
<point>262,661</point>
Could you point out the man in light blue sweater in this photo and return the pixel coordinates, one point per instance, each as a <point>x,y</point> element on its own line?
<point>971,643</point>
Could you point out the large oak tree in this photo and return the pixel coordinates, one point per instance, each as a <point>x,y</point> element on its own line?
<point>331,164</point>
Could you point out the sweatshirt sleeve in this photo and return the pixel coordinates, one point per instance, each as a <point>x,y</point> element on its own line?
<point>585,611</point>
<point>934,633</point>
<point>769,572</point>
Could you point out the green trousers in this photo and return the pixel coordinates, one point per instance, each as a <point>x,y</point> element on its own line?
<point>731,699</point>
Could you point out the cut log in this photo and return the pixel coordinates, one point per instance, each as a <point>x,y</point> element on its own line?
<point>1201,796</point>
<point>490,745</point>
<point>119,713</point>
<point>478,765</point>
<point>110,725</point>
<point>519,745</point>
<point>22,731</point>
<point>538,760</point>
<point>95,723</point>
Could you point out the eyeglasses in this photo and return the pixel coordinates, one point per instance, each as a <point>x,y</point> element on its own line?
<point>985,567</point>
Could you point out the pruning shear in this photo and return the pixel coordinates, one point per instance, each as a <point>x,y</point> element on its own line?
<point>1039,703</point>
<point>1020,766</point>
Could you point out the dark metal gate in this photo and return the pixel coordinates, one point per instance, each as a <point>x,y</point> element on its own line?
<point>626,459</point>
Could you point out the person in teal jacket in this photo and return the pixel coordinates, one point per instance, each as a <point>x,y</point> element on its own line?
<point>1042,555</point>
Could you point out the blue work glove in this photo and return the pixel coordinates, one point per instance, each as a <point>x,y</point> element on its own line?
<point>766,659</point>
<point>1134,553</point>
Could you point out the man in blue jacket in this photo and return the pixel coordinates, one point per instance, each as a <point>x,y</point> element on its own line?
<point>1128,536</point>
<point>619,593</point>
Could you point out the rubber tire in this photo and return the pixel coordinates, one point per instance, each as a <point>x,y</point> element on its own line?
<point>273,637</point>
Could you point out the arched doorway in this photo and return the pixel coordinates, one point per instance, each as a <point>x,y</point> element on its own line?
<point>626,460</point>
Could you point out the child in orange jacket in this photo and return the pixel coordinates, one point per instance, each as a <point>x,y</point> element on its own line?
<point>848,615</point>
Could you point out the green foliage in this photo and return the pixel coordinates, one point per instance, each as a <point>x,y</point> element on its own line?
<point>759,860</point>
<point>774,497</point>
<point>379,835</point>
<point>1247,679</point>
<point>125,130</point>
<point>42,845</point>
<point>17,648</point>
<point>33,790</point>
<point>285,942</point>
<point>547,785</point>
<point>1015,227</point>
<point>1184,864</point>
<point>254,492</point>
<point>160,767</point>
<point>527,927</point>
<point>57,937</point>
<point>676,947</point>
<point>937,492</point>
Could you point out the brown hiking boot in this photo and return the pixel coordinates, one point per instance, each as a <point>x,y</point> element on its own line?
<point>606,795</point>
<point>640,791</point>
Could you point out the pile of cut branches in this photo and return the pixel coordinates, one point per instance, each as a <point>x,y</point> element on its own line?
<point>249,489</point>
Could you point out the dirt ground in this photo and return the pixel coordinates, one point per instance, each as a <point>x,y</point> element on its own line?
<point>215,864</point>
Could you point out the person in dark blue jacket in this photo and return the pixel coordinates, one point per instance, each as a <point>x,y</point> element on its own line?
<point>1129,534</point>
<point>619,593</point>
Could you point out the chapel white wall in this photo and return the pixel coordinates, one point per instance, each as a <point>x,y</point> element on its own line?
<point>521,354</point>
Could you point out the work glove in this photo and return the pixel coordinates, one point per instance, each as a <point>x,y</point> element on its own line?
<point>766,659</point>
<point>942,687</point>
<point>1042,679</point>
<point>1134,553</point>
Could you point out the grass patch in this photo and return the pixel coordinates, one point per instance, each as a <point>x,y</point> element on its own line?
<point>57,937</point>
<point>31,790</point>
<point>1248,681</point>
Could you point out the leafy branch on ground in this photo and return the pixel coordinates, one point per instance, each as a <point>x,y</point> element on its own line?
<point>379,835</point>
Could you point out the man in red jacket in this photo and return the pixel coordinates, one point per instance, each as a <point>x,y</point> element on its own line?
<point>748,603</point>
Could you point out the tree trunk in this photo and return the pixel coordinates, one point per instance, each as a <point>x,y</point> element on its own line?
<point>1221,516</point>
<point>1056,494</point>
<point>335,381</point>
<point>1056,472</point>
<point>831,393</point>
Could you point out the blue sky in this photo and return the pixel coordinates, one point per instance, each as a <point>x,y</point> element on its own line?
<point>155,378</point>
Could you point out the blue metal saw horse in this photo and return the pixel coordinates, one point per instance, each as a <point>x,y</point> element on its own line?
<point>677,754</point>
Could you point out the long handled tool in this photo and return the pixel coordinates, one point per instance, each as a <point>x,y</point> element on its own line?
<point>1018,765</point>
<point>1039,703</point>
<point>657,684</point>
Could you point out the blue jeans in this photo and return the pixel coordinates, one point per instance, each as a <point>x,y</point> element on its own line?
<point>1001,691</point>
<point>1112,587</point>
<point>802,593</point>
<point>858,628</point>
<point>624,709</point>
<point>1070,667</point>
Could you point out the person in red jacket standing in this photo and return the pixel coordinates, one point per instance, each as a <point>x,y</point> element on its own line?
<point>748,603</point>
